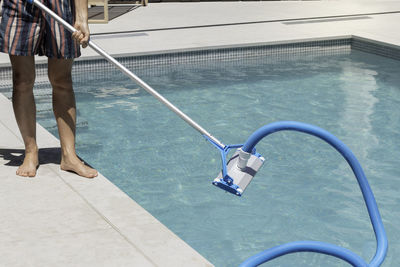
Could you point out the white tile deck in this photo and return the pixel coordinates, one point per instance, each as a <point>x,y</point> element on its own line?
<point>60,219</point>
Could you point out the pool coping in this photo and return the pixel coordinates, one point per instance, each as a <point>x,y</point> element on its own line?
<point>248,45</point>
<point>218,47</point>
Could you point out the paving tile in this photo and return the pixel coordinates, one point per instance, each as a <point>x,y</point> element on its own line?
<point>140,227</point>
<point>7,138</point>
<point>45,139</point>
<point>31,208</point>
<point>161,245</point>
<point>7,116</point>
<point>156,16</point>
<point>93,248</point>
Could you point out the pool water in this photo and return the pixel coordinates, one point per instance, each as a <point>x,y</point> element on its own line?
<point>305,190</point>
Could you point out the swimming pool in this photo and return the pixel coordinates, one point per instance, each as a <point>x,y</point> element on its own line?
<point>305,191</point>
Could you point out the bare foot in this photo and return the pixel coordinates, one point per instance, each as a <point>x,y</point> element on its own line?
<point>29,166</point>
<point>73,163</point>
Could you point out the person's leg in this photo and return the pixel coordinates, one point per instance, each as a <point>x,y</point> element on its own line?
<point>23,69</point>
<point>59,71</point>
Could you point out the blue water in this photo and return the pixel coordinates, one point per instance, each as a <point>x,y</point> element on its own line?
<point>305,190</point>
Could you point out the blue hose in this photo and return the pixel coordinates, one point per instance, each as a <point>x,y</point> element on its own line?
<point>320,247</point>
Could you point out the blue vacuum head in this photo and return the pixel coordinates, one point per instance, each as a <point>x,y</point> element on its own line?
<point>240,170</point>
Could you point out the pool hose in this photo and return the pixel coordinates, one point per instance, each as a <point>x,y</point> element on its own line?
<point>320,247</point>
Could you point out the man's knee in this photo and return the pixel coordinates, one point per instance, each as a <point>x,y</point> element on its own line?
<point>23,72</point>
<point>60,81</point>
<point>59,73</point>
<point>23,81</point>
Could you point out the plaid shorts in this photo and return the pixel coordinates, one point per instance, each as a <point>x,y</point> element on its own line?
<point>26,31</point>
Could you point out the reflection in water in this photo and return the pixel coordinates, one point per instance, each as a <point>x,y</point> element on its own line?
<point>359,85</point>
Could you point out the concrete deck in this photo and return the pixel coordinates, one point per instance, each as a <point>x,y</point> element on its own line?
<point>60,219</point>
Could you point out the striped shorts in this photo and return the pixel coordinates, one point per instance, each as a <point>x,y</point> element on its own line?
<point>26,31</point>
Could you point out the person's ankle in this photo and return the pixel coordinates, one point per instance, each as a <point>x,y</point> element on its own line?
<point>31,149</point>
<point>68,154</point>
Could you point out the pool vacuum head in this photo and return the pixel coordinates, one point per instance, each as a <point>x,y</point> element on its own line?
<point>240,170</point>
